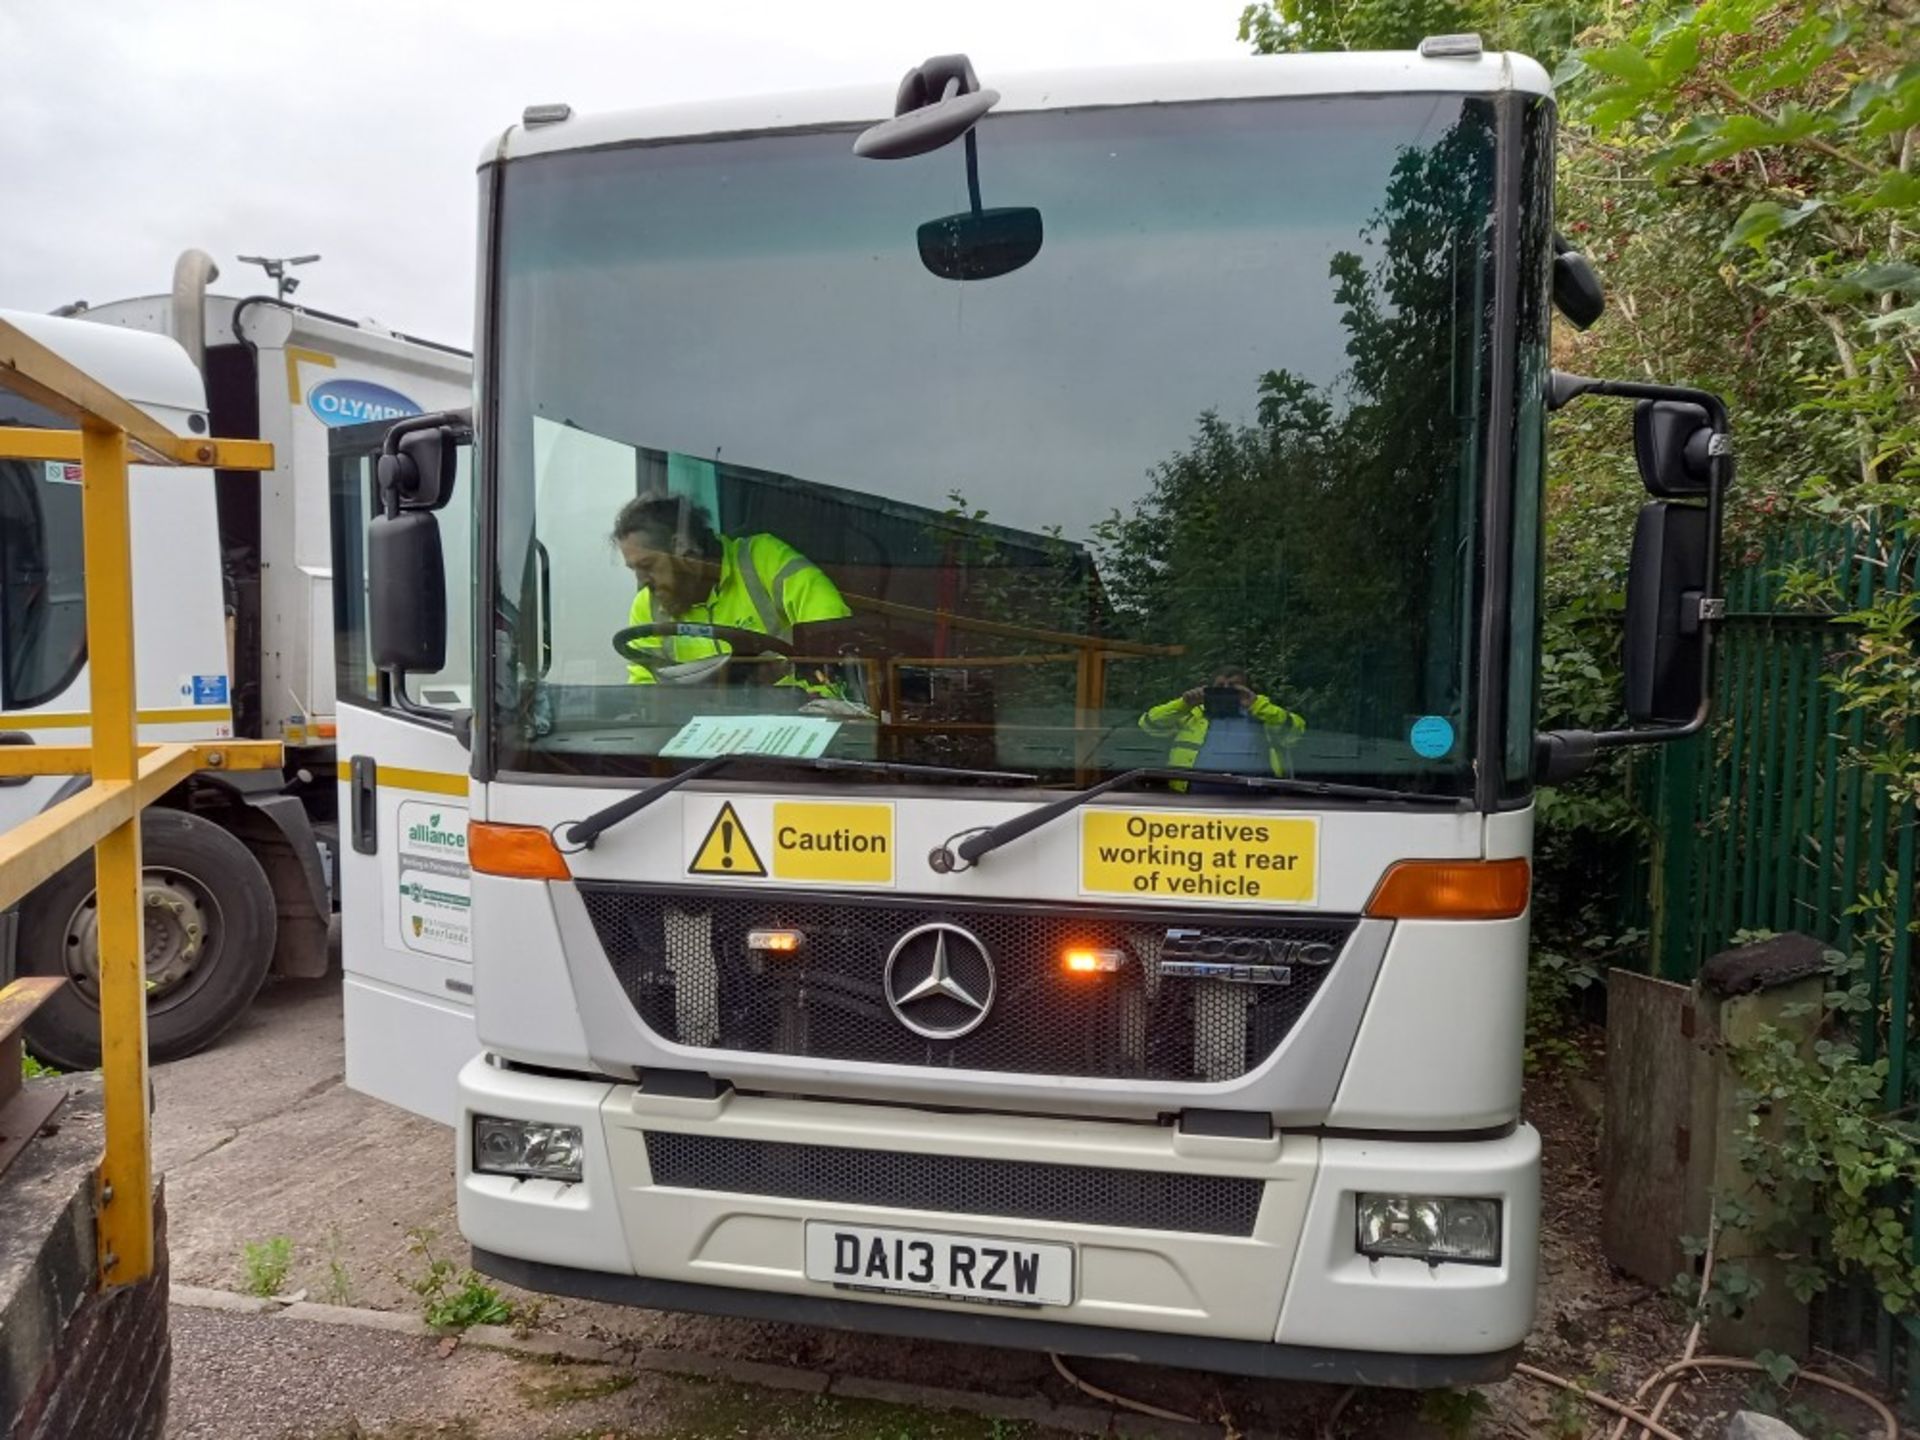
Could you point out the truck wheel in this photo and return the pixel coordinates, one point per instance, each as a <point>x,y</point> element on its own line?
<point>209,926</point>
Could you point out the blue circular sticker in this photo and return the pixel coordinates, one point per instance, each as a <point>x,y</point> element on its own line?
<point>1431,736</point>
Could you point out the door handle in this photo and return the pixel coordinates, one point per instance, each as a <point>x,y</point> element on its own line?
<point>546,607</point>
<point>363,786</point>
<point>14,737</point>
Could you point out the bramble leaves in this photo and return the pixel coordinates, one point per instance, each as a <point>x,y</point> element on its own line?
<point>1764,219</point>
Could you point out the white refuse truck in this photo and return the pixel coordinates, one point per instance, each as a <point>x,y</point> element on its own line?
<point>234,616</point>
<point>999,629</point>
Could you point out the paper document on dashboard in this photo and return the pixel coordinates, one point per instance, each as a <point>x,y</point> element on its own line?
<point>799,736</point>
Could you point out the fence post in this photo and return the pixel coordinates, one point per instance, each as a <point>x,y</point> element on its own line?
<point>1774,984</point>
<point>1675,837</point>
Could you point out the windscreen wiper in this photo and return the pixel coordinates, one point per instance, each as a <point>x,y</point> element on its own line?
<point>582,833</point>
<point>967,852</point>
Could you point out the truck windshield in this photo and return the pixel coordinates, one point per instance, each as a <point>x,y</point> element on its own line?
<point>1196,486</point>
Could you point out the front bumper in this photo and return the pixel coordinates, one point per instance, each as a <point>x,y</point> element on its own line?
<point>1288,1297</point>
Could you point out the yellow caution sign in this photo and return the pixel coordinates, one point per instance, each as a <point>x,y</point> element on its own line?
<point>1218,857</point>
<point>825,842</point>
<point>727,850</point>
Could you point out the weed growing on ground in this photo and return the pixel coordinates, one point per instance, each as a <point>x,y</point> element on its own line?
<point>339,1287</point>
<point>32,1069</point>
<point>527,1315</point>
<point>266,1263</point>
<point>1456,1412</point>
<point>455,1299</point>
<point>1566,1416</point>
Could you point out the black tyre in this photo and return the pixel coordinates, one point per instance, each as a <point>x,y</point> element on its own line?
<point>210,926</point>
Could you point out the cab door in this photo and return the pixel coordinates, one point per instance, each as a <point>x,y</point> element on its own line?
<point>407,950</point>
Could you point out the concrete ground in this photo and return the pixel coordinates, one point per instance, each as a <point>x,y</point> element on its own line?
<point>260,1139</point>
<point>352,1381</point>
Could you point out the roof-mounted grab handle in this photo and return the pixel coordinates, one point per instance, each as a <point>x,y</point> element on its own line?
<point>937,103</point>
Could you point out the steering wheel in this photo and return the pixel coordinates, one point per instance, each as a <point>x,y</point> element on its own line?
<point>690,672</point>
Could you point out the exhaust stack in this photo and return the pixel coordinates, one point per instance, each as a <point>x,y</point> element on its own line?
<point>193,272</point>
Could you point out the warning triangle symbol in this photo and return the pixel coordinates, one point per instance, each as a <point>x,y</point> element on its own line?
<point>727,850</point>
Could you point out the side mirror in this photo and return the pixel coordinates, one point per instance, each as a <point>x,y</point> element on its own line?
<point>1683,442</point>
<point>1672,444</point>
<point>1666,641</point>
<point>406,593</point>
<point>980,245</point>
<point>417,466</point>
<point>1577,291</point>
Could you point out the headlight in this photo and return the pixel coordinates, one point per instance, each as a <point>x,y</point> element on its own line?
<point>532,1149</point>
<point>1429,1227</point>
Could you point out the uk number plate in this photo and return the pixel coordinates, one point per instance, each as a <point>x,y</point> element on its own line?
<point>924,1262</point>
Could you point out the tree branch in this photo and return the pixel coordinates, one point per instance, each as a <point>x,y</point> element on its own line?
<point>1849,366</point>
<point>1833,152</point>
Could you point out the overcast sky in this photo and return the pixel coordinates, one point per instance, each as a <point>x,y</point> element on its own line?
<point>133,129</point>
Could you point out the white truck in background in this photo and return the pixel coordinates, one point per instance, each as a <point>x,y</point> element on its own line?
<point>234,621</point>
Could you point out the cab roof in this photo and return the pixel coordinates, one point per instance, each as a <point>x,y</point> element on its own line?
<point>1241,78</point>
<point>150,370</point>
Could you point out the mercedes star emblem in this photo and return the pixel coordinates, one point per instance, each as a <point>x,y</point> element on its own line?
<point>939,981</point>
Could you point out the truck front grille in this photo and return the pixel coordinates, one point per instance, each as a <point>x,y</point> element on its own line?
<point>957,1184</point>
<point>682,958</point>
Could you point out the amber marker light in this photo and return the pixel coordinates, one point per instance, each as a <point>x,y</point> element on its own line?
<point>774,942</point>
<point>519,852</point>
<point>1452,890</point>
<point>1085,960</point>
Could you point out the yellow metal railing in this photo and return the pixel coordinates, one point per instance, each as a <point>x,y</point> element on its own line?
<point>126,777</point>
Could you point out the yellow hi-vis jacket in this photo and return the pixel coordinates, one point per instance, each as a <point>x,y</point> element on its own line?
<point>1187,724</point>
<point>765,585</point>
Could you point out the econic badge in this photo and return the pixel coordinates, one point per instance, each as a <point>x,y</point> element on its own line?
<point>1149,854</point>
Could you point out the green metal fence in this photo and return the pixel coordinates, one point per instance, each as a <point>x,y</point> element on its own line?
<point>1770,822</point>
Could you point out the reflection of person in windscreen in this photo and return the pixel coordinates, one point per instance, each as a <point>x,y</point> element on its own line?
<point>1224,726</point>
<point>691,574</point>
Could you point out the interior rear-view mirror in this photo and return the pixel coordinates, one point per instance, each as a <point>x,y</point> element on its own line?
<point>1666,643</point>
<point>1672,443</point>
<point>980,245</point>
<point>406,593</point>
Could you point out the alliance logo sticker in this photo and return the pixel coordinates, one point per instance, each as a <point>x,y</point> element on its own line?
<point>355,402</point>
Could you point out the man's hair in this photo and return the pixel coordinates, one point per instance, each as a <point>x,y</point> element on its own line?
<point>664,521</point>
<point>1221,672</point>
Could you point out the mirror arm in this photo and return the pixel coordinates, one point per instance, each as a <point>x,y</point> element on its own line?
<point>1561,755</point>
<point>1564,388</point>
<point>407,705</point>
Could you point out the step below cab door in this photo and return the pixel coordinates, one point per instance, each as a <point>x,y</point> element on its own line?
<point>407,950</point>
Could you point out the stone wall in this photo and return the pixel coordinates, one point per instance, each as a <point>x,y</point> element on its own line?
<point>74,1364</point>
